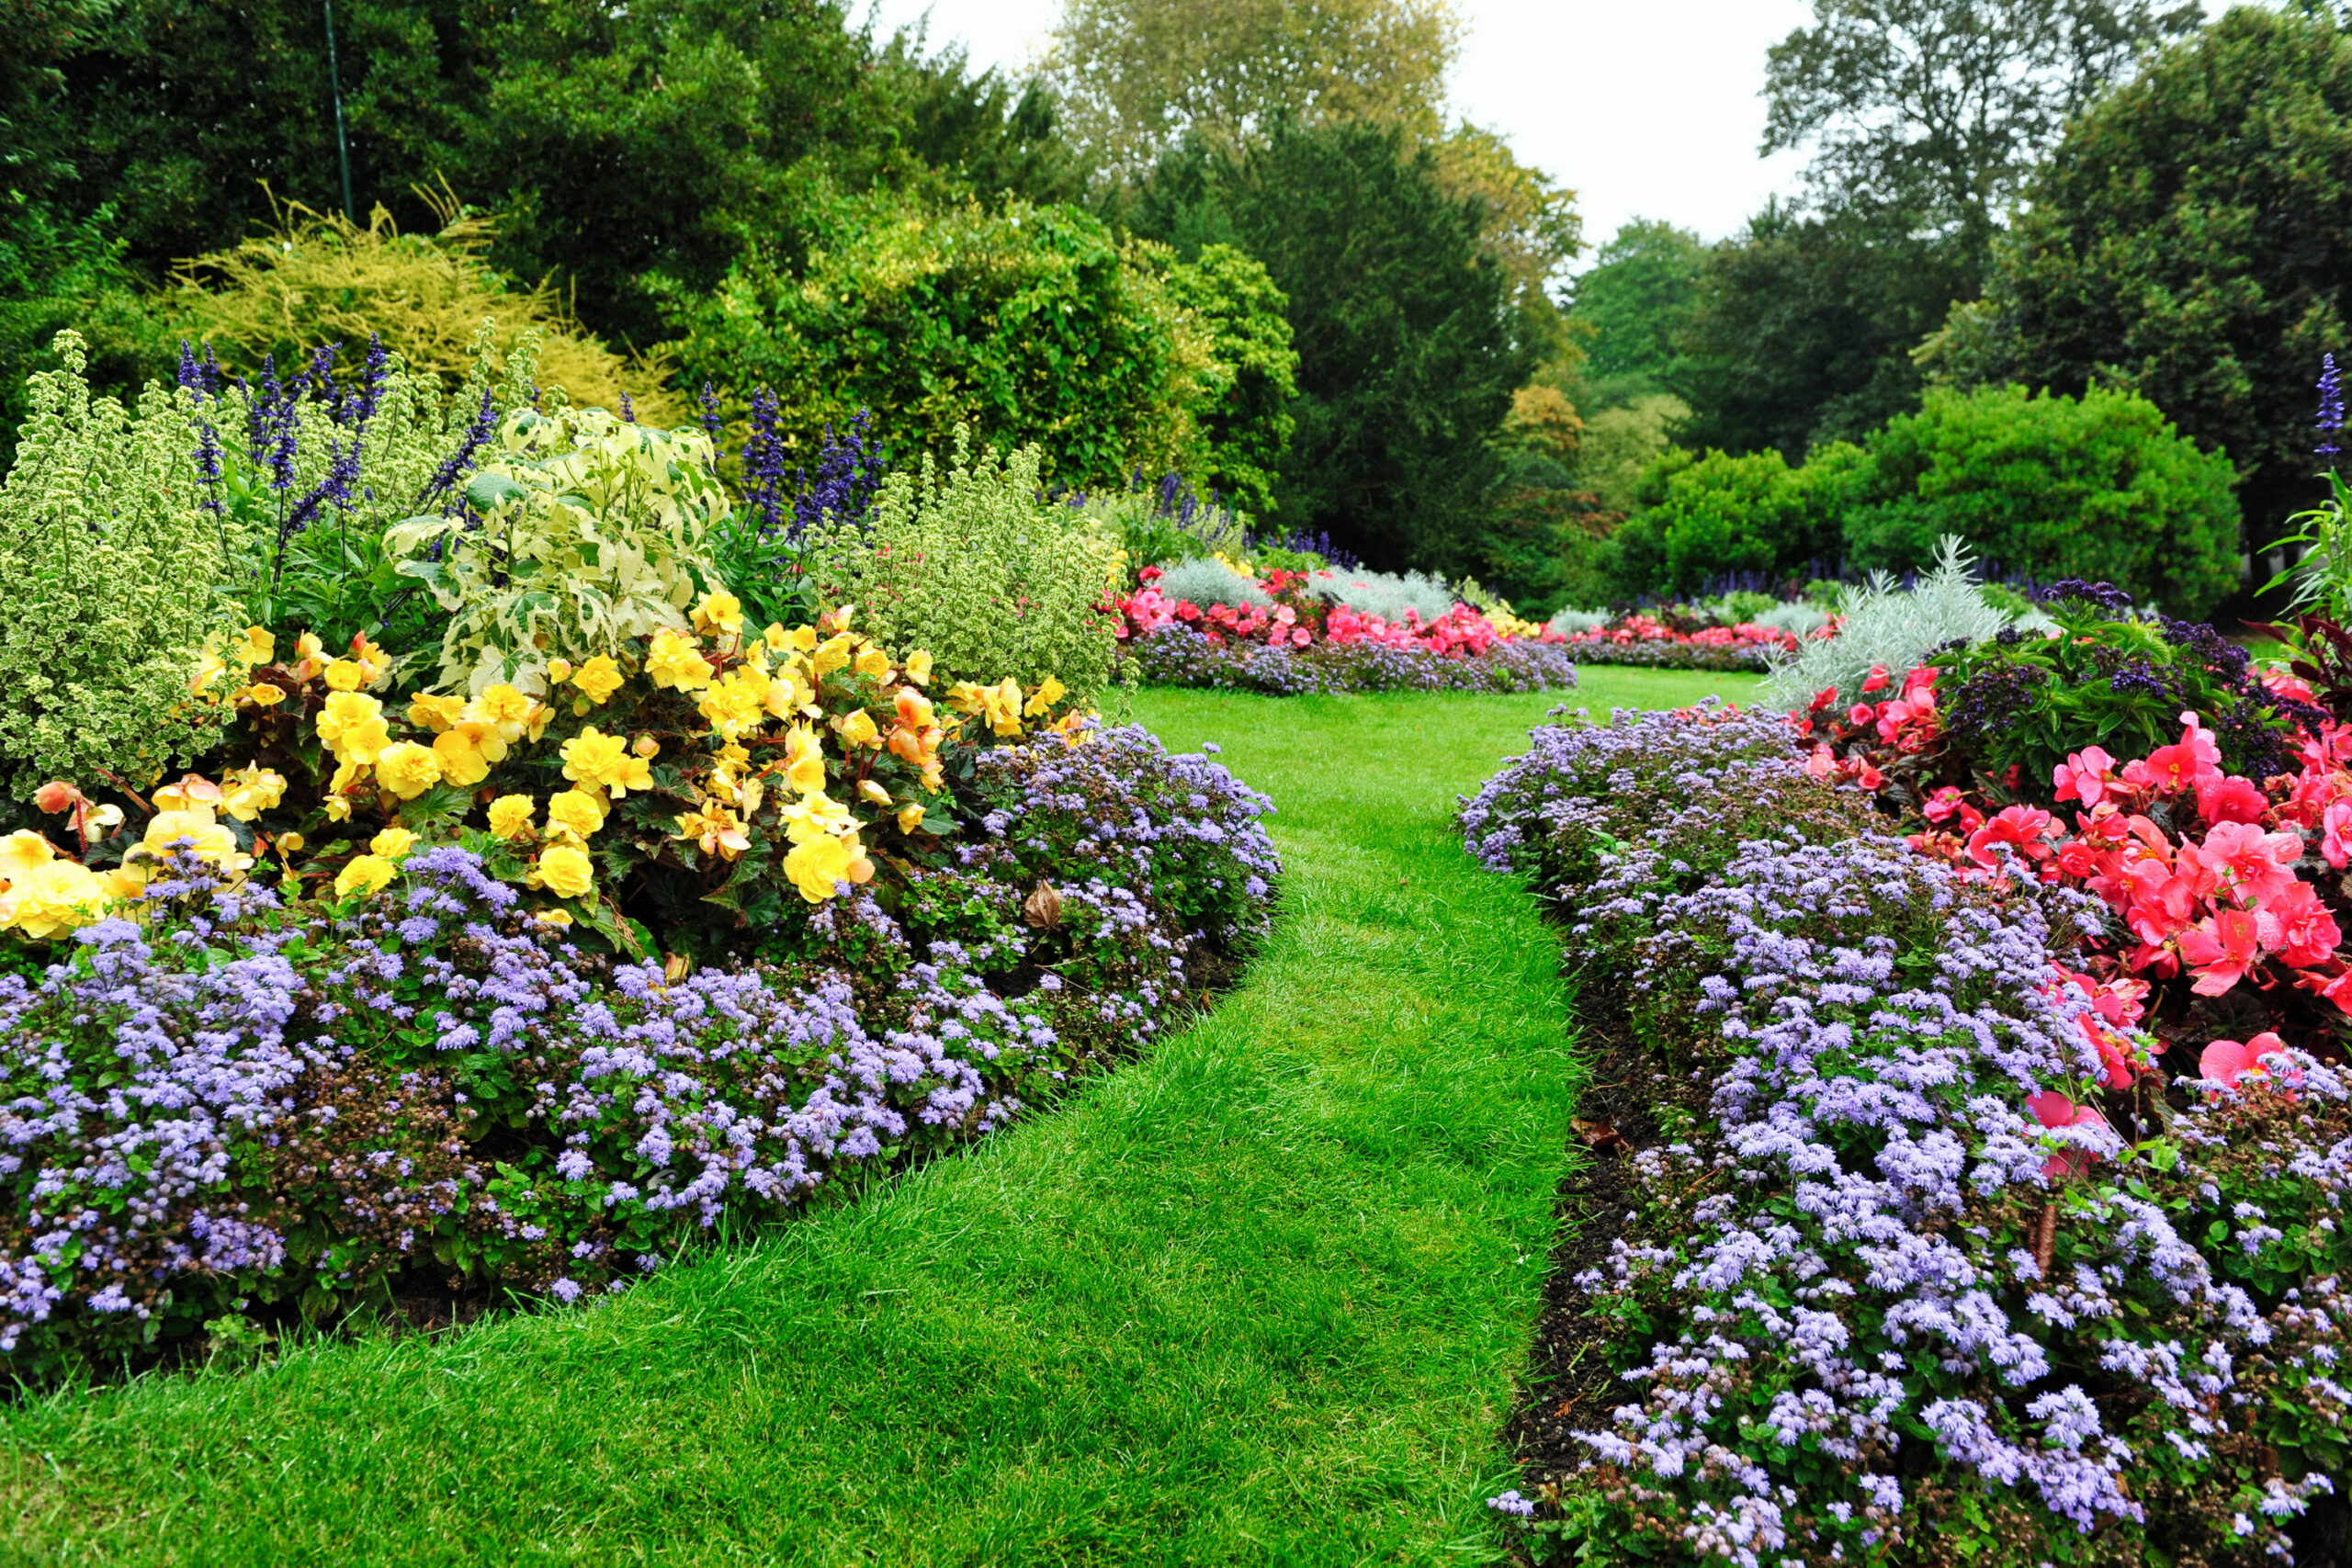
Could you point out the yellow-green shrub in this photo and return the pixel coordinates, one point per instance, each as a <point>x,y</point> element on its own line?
<point>324,279</point>
<point>110,568</point>
<point>973,562</point>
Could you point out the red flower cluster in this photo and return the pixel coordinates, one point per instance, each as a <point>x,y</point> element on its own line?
<point>1908,721</point>
<point>1638,627</point>
<point>1461,631</point>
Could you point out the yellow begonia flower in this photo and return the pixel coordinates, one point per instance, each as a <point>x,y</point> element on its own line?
<point>599,678</point>
<point>804,760</point>
<point>249,791</point>
<point>872,661</point>
<point>461,759</point>
<point>1000,704</point>
<point>372,661</point>
<point>289,843</point>
<point>775,637</point>
<point>919,667</point>
<point>503,708</point>
<point>188,790</point>
<point>392,843</point>
<point>339,808</point>
<point>719,612</point>
<point>510,815</point>
<point>833,655</point>
<point>310,656</point>
<point>407,769</point>
<point>565,871</point>
<point>52,898</point>
<point>910,817</point>
<point>857,729</point>
<point>575,812</point>
<point>536,725</point>
<point>206,838</point>
<point>591,757</point>
<point>261,695</point>
<point>22,852</point>
<point>342,675</point>
<point>365,873</point>
<point>677,662</point>
<point>736,704</point>
<point>435,711</point>
<point>874,792</point>
<point>1049,692</point>
<point>259,646</point>
<point>352,725</point>
<point>715,828</point>
<point>818,867</point>
<point>559,671</point>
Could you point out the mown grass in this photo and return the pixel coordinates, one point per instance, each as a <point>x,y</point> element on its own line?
<point>1257,1298</point>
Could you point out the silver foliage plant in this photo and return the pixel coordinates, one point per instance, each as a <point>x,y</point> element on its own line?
<point>1887,625</point>
<point>1385,594</point>
<point>1205,580</point>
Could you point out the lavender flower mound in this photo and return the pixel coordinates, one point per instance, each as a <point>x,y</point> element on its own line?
<point>227,1106</point>
<point>1864,1304</point>
<point>1182,656</point>
<point>1755,656</point>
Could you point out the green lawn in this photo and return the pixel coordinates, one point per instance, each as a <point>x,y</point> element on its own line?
<point>1259,1297</point>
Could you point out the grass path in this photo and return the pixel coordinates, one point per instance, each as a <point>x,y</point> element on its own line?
<point>1258,1298</point>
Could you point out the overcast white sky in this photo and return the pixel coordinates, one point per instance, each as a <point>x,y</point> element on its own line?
<point>1646,108</point>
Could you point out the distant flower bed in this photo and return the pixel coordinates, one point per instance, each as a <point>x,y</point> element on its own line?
<point>1185,656</point>
<point>1293,632</point>
<point>1961,1192</point>
<point>1643,640</point>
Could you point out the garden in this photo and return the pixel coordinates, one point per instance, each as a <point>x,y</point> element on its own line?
<point>818,808</point>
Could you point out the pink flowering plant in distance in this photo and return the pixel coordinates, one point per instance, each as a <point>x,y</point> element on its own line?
<point>1918,1244</point>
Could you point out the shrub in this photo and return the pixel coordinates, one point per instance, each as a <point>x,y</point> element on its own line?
<point>972,562</point>
<point>1029,325</point>
<point>1387,595</point>
<point>2098,488</point>
<point>1887,627</point>
<point>2111,680</point>
<point>319,279</point>
<point>1206,581</point>
<point>1251,379</point>
<point>1726,514</point>
<point>584,533</point>
<point>111,564</point>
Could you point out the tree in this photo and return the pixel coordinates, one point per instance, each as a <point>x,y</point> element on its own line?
<point>1632,309</point>
<point>1142,76</point>
<point>1940,109</point>
<point>1409,347</point>
<point>1804,327</point>
<point>2191,240</point>
<point>615,142</point>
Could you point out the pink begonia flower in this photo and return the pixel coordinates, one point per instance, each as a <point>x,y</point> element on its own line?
<point>2029,828</point>
<point>2225,1061</point>
<point>2084,775</point>
<point>1877,679</point>
<point>2335,834</point>
<point>2232,799</point>
<point>2054,1110</point>
<point>2240,856</point>
<point>2219,950</point>
<point>2297,927</point>
<point>2170,769</point>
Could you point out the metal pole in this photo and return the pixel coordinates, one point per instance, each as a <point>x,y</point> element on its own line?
<point>342,142</point>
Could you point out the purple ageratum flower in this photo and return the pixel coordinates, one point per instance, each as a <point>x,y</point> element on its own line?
<point>1512,1503</point>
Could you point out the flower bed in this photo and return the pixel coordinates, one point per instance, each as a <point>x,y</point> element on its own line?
<point>1930,1217</point>
<point>1643,640</point>
<point>219,1103</point>
<point>1290,638</point>
<point>1184,655</point>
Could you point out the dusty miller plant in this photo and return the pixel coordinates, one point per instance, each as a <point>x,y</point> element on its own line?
<point>972,562</point>
<point>1887,625</point>
<point>112,569</point>
<point>591,532</point>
